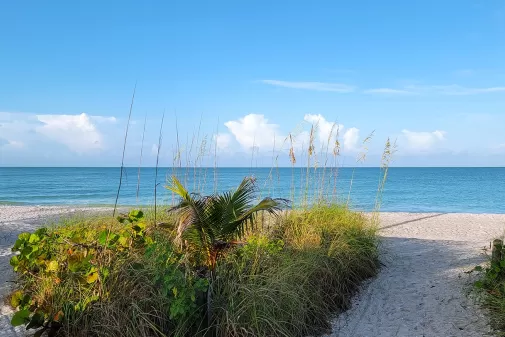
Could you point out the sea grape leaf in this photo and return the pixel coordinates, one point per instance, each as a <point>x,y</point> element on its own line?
<point>91,278</point>
<point>102,238</point>
<point>52,266</point>
<point>20,317</point>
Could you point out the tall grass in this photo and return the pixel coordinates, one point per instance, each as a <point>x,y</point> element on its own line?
<point>287,282</point>
<point>286,277</point>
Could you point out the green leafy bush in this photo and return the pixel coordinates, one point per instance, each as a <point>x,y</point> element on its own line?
<point>491,284</point>
<point>64,271</point>
<point>126,277</point>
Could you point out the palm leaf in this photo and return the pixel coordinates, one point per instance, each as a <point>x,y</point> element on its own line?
<point>191,212</point>
<point>269,205</point>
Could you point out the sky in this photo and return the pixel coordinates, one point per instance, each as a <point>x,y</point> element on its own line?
<point>241,82</point>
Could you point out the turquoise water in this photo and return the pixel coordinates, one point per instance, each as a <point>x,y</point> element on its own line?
<point>475,190</point>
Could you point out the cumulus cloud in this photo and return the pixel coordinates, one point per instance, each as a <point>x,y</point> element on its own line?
<point>77,132</point>
<point>222,140</point>
<point>351,137</point>
<point>423,141</point>
<point>254,130</point>
<point>327,130</point>
<point>316,86</point>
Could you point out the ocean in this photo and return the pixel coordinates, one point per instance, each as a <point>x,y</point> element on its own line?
<point>445,190</point>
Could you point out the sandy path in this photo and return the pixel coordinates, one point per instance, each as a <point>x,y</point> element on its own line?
<point>419,292</point>
<point>422,289</point>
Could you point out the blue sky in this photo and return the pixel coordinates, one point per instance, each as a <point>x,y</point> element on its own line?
<point>430,74</point>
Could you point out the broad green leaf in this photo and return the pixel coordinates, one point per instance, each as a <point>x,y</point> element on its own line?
<point>91,278</point>
<point>20,317</point>
<point>135,215</point>
<point>27,251</point>
<point>14,261</point>
<point>17,245</point>
<point>24,236</point>
<point>123,241</point>
<point>102,238</point>
<point>16,299</point>
<point>52,266</point>
<point>34,238</point>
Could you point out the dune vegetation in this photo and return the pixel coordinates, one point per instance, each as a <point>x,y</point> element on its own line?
<point>220,265</point>
<point>211,264</point>
<point>491,287</point>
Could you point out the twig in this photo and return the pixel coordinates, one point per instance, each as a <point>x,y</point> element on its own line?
<point>157,161</point>
<point>124,149</point>
<point>140,162</point>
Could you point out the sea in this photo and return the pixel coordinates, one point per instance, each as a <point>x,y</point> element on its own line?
<point>441,190</point>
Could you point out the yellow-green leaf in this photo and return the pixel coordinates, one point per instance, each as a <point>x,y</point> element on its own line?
<point>52,266</point>
<point>123,241</point>
<point>91,278</point>
<point>16,298</point>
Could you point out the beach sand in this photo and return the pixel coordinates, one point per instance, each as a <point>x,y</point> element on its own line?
<point>422,289</point>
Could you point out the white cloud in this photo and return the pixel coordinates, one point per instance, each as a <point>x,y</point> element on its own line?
<point>388,91</point>
<point>77,132</point>
<point>316,86</point>
<point>327,130</point>
<point>254,130</point>
<point>103,119</point>
<point>423,141</point>
<point>222,140</point>
<point>351,137</point>
<point>449,90</point>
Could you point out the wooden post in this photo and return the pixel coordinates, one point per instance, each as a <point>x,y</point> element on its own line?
<point>496,255</point>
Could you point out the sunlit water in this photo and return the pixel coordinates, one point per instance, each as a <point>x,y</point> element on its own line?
<point>476,190</point>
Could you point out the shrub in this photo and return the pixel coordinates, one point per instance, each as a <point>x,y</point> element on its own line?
<point>491,285</point>
<point>124,277</point>
<point>103,277</point>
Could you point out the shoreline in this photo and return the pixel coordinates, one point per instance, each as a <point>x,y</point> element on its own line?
<point>119,206</point>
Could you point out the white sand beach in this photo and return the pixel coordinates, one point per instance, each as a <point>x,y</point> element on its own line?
<point>420,291</point>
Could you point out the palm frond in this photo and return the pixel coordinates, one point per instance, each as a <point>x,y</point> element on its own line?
<point>210,223</point>
<point>191,212</point>
<point>269,205</point>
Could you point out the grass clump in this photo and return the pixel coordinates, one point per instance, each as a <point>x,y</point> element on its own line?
<point>288,279</point>
<point>220,265</point>
<point>491,285</point>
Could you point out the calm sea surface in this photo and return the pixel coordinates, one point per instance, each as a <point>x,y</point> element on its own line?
<point>475,190</point>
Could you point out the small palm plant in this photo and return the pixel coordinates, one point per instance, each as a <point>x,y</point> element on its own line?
<point>212,224</point>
